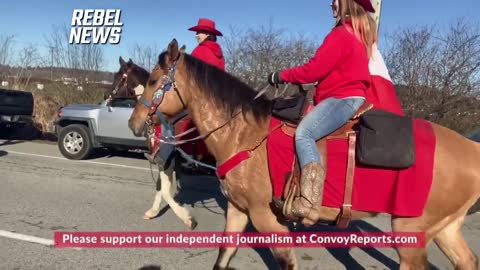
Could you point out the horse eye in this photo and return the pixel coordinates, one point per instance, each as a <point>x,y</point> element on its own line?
<point>152,82</point>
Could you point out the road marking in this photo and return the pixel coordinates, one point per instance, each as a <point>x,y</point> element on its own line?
<point>27,238</point>
<point>84,161</point>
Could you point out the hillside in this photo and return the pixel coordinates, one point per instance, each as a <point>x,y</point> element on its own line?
<point>47,74</point>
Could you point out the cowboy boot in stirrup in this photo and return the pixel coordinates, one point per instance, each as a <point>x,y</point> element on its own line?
<point>307,206</point>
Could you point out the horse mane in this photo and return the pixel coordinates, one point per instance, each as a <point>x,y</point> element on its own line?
<point>143,74</point>
<point>224,89</point>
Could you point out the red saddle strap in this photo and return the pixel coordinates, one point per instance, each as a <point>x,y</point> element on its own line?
<point>231,163</point>
<point>239,157</point>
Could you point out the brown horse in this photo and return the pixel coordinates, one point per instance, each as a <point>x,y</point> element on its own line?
<point>213,96</point>
<point>128,81</point>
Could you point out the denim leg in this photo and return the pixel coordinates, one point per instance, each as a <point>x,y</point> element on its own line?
<point>326,117</point>
<point>166,149</point>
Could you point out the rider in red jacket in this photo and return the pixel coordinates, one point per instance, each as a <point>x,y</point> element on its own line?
<point>340,66</point>
<point>209,51</point>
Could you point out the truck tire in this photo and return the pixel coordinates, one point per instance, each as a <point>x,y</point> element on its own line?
<point>16,102</point>
<point>74,142</point>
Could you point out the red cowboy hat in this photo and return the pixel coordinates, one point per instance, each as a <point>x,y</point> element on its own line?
<point>205,25</point>
<point>366,4</point>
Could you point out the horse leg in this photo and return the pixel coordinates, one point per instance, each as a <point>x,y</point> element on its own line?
<point>167,191</point>
<point>416,258</point>
<point>451,242</point>
<point>411,258</point>
<point>265,221</point>
<point>155,210</point>
<point>236,222</point>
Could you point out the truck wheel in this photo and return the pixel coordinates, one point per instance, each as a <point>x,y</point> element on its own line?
<point>74,142</point>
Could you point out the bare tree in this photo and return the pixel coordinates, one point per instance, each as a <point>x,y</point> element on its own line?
<point>438,73</point>
<point>83,60</point>
<point>6,46</point>
<point>27,62</point>
<point>252,53</point>
<point>145,56</point>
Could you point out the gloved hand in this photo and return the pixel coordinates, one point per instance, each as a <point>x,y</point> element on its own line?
<point>274,78</point>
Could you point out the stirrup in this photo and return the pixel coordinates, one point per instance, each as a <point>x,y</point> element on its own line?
<point>285,207</point>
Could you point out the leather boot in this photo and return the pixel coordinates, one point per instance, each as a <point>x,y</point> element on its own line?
<point>307,205</point>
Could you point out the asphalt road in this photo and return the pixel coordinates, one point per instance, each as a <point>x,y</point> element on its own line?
<point>41,192</point>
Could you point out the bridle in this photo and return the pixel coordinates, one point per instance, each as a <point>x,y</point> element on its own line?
<point>168,83</point>
<point>121,84</point>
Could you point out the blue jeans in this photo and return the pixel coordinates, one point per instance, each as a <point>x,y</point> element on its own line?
<point>326,117</point>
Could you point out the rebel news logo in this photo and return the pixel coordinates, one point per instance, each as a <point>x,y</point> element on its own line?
<point>96,26</point>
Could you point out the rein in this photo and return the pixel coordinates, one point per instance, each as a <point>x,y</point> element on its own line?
<point>120,84</point>
<point>168,82</point>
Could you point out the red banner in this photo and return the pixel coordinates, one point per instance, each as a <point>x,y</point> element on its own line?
<point>217,239</point>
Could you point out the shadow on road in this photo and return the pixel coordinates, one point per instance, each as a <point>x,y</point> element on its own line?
<point>3,153</point>
<point>343,254</point>
<point>25,132</point>
<point>201,191</point>
<point>150,267</point>
<point>109,153</point>
<point>10,142</point>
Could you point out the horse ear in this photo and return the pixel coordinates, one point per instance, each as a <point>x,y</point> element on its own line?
<point>122,62</point>
<point>183,48</point>
<point>173,49</point>
<point>130,61</point>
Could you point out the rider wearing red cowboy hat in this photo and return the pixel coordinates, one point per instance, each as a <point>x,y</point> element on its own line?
<point>209,51</point>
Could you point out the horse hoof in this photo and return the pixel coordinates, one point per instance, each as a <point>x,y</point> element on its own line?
<point>148,216</point>
<point>223,268</point>
<point>192,224</point>
<point>278,203</point>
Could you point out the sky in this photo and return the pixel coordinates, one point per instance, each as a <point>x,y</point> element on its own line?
<point>156,22</point>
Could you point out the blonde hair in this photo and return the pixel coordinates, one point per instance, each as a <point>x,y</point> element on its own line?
<point>364,26</point>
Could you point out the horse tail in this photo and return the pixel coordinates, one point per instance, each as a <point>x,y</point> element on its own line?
<point>475,208</point>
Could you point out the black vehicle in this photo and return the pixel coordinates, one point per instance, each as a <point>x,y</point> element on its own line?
<point>16,109</point>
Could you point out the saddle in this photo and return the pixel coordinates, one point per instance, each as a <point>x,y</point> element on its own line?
<point>370,133</point>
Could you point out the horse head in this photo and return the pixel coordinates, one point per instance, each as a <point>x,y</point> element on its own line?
<point>129,81</point>
<point>161,92</point>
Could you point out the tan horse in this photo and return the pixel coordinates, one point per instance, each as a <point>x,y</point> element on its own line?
<point>212,97</point>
